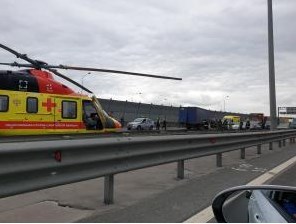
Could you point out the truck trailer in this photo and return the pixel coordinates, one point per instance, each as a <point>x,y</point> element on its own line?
<point>195,117</point>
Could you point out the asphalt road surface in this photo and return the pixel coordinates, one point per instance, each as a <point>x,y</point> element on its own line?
<point>148,195</point>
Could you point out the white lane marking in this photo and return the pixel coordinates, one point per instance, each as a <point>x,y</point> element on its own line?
<point>207,214</point>
<point>202,217</point>
<point>270,174</point>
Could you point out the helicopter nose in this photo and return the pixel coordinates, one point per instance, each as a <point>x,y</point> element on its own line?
<point>117,124</point>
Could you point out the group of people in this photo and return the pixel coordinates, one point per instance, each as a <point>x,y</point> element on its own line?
<point>164,124</point>
<point>228,125</point>
<point>216,124</point>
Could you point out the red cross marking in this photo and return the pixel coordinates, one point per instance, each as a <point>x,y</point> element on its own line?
<point>48,104</point>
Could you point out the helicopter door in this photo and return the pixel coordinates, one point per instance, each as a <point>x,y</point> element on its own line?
<point>91,118</point>
<point>57,114</point>
<point>66,114</point>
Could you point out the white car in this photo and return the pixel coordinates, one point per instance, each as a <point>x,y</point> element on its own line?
<point>256,204</point>
<point>141,124</point>
<point>264,206</point>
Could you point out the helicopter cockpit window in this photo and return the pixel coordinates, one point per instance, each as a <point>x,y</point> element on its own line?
<point>32,105</point>
<point>3,103</point>
<point>90,116</point>
<point>88,108</point>
<point>69,109</point>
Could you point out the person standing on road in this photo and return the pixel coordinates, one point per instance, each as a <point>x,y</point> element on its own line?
<point>225,125</point>
<point>241,125</point>
<point>220,125</point>
<point>122,121</point>
<point>248,124</point>
<point>164,124</point>
<point>157,124</point>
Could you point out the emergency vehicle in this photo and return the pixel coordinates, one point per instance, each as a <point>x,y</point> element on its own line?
<point>32,102</point>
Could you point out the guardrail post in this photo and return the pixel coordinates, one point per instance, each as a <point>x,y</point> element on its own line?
<point>243,153</point>
<point>280,143</point>
<point>270,145</point>
<point>284,142</point>
<point>109,189</point>
<point>258,149</point>
<point>219,159</point>
<point>181,169</point>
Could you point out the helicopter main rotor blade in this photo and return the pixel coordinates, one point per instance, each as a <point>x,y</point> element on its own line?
<point>111,71</point>
<point>15,64</point>
<point>45,66</point>
<point>35,64</point>
<point>52,68</point>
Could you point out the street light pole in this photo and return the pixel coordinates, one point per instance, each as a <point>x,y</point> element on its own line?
<point>227,97</point>
<point>83,78</point>
<point>272,96</point>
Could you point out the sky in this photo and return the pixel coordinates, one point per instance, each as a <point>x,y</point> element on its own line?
<point>218,47</point>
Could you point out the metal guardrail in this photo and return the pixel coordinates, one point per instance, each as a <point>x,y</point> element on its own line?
<point>30,166</point>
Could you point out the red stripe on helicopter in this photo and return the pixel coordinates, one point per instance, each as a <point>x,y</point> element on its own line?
<point>40,125</point>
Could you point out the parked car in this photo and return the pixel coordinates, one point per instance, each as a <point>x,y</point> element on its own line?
<point>141,124</point>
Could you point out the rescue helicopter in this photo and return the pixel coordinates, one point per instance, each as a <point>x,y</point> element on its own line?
<point>33,102</point>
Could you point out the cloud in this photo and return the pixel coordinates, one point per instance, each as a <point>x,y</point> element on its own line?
<point>218,47</point>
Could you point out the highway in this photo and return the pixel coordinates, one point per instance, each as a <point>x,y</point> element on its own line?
<point>151,194</point>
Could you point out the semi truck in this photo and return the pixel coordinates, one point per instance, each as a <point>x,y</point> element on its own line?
<point>195,117</point>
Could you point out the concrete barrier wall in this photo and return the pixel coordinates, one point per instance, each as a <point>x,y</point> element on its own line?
<point>131,110</point>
